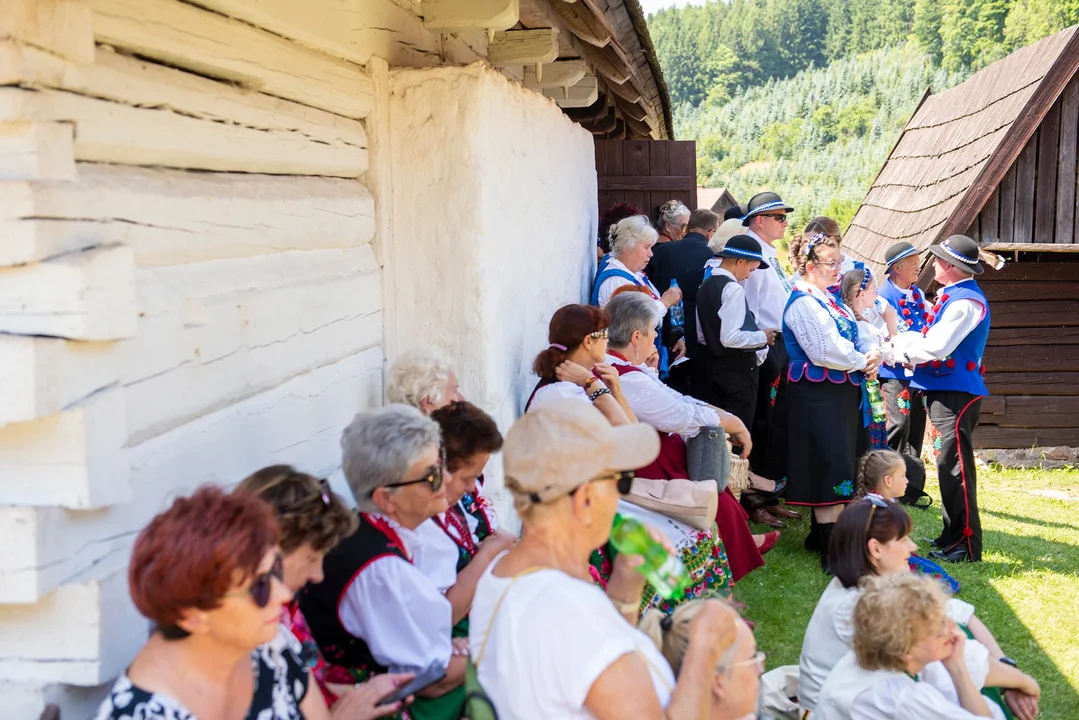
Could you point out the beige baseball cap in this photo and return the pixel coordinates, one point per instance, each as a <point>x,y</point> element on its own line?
<point>561,445</point>
<point>727,230</point>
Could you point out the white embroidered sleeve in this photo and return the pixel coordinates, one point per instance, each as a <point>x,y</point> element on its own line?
<point>958,320</point>
<point>663,409</point>
<point>819,337</point>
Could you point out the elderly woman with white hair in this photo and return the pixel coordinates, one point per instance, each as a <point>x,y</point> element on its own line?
<point>423,377</point>
<point>375,611</point>
<point>632,240</point>
<point>672,220</point>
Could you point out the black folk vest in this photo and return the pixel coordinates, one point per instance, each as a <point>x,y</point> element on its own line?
<point>319,603</point>
<point>709,300</point>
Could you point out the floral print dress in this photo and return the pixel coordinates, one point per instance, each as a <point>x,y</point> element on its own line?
<point>280,687</point>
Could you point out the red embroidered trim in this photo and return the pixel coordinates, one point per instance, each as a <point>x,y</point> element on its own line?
<point>464,535</point>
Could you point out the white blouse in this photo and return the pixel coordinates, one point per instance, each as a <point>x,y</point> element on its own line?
<point>606,290</point>
<point>732,315</point>
<point>959,320</point>
<point>661,407</point>
<point>557,390</point>
<point>817,334</point>
<point>436,554</point>
<point>397,610</point>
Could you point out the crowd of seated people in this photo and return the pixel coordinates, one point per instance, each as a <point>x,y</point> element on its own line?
<point>281,600</point>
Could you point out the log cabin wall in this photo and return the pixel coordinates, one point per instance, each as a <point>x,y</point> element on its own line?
<point>188,292</point>
<point>1032,358</point>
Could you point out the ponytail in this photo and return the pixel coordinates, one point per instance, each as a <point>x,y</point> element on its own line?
<point>872,467</point>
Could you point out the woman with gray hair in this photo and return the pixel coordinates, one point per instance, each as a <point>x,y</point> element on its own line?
<point>672,221</point>
<point>631,249</point>
<point>375,611</point>
<point>423,378</point>
<point>692,444</point>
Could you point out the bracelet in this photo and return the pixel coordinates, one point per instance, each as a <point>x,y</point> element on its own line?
<point>596,394</point>
<point>588,384</point>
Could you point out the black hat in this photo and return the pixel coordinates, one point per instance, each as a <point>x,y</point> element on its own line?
<point>734,211</point>
<point>743,247</point>
<point>762,203</point>
<point>960,251</point>
<point>897,252</point>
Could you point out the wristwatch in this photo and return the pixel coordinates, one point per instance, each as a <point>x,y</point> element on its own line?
<point>1009,661</point>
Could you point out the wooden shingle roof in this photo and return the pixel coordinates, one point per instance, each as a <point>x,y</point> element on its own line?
<point>957,146</point>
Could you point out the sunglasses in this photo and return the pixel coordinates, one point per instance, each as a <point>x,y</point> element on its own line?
<point>624,478</point>
<point>778,218</point>
<point>433,476</point>
<point>599,334</point>
<point>755,661</point>
<point>262,586</point>
<point>877,502</point>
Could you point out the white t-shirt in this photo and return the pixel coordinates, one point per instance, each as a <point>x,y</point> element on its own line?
<point>553,637</point>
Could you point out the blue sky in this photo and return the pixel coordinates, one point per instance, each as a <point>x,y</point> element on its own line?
<point>650,6</point>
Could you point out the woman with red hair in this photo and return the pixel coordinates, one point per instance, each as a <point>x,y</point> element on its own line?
<point>207,573</point>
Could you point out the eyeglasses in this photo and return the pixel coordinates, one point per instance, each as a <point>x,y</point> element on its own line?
<point>755,661</point>
<point>827,264</point>
<point>262,585</point>
<point>599,334</point>
<point>877,502</point>
<point>433,476</point>
<point>777,218</point>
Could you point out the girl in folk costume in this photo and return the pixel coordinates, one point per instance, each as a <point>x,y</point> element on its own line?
<point>469,436</point>
<point>828,363</point>
<point>683,421</point>
<point>859,292</point>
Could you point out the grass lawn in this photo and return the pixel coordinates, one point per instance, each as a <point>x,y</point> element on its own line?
<point>1026,590</point>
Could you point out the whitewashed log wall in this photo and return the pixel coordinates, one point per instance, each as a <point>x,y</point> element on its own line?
<point>188,286</point>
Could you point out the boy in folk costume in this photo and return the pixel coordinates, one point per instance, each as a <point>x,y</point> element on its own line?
<point>948,353</point>
<point>906,404</point>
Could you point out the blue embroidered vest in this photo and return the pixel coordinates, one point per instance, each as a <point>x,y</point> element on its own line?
<point>800,365</point>
<point>962,370</point>
<point>604,273</point>
<point>911,316</point>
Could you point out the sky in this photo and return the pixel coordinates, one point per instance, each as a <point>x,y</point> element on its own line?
<point>650,6</point>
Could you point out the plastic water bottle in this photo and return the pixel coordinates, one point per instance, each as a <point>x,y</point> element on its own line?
<point>676,314</point>
<point>664,571</point>
<point>876,400</point>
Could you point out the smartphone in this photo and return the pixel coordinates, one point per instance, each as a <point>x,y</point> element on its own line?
<point>423,680</point>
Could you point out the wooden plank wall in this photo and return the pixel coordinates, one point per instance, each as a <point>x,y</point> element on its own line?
<point>1032,359</point>
<point>1036,201</point>
<point>646,173</point>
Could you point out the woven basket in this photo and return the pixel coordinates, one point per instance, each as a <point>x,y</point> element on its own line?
<point>739,480</point>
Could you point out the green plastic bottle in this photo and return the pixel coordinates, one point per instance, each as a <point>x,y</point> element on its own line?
<point>876,400</point>
<point>664,571</point>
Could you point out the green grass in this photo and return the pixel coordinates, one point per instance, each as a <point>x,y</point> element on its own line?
<point>1026,590</point>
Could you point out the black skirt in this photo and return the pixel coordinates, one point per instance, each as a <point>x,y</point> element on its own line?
<point>824,436</point>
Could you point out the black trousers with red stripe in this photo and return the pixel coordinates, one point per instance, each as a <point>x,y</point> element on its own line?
<point>954,415</point>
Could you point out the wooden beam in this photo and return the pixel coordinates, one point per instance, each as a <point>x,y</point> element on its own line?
<point>640,129</point>
<point>447,15</point>
<point>190,38</point>
<point>564,73</point>
<point>1033,247</point>
<point>582,95</point>
<point>62,27</point>
<point>620,131</point>
<point>627,91</point>
<point>606,64</point>
<point>604,125</point>
<point>523,47</point>
<point>583,24</point>
<point>632,110</point>
<point>35,150</point>
<point>590,113</point>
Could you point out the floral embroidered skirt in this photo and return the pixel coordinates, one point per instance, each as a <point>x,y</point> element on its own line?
<point>704,557</point>
<point>824,439</point>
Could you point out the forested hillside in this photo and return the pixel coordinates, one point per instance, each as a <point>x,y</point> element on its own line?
<point>808,96</point>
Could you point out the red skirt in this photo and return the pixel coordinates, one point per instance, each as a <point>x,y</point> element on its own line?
<point>742,552</point>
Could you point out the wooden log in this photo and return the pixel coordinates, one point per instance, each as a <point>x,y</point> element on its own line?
<point>627,91</point>
<point>1007,291</point>
<point>1036,313</point>
<point>35,150</point>
<point>1035,336</point>
<point>563,73</point>
<point>174,217</point>
<point>1032,383</point>
<point>990,436</point>
<point>114,133</point>
<point>582,24</point>
<point>585,94</point>
<point>1046,193</point>
<point>606,63</point>
<point>457,15</point>
<point>993,405</point>
<point>1051,405</point>
<point>84,296</point>
<point>75,459</point>
<point>40,376</point>
<point>1032,247</point>
<point>138,83</point>
<point>523,47</point>
<point>63,27</point>
<point>1040,358</point>
<point>1024,192</point>
<point>187,37</point>
<point>1034,271</point>
<point>1066,164</point>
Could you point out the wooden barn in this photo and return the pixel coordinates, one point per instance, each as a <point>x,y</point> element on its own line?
<point>995,158</point>
<point>715,199</point>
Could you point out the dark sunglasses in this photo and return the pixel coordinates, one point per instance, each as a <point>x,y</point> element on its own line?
<point>778,218</point>
<point>433,476</point>
<point>624,478</point>
<point>262,586</point>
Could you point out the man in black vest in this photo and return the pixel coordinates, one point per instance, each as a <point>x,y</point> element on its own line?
<point>684,261</point>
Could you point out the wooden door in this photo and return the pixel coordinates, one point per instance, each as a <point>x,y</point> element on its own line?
<point>646,173</point>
